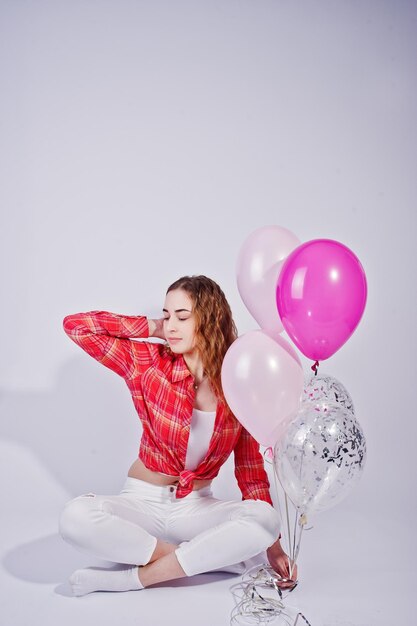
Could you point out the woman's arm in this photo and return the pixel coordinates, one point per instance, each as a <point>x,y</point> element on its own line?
<point>253,482</point>
<point>250,470</point>
<point>156,328</point>
<point>106,337</point>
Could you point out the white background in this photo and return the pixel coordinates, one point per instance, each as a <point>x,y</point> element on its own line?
<point>145,140</point>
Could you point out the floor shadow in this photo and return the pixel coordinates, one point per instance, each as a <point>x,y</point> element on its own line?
<point>50,560</point>
<point>46,560</point>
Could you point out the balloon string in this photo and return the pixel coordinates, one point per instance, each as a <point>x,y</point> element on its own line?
<point>295,534</point>
<point>315,367</point>
<point>297,550</point>
<point>290,543</point>
<point>294,540</point>
<point>253,602</point>
<point>287,514</point>
<point>269,452</point>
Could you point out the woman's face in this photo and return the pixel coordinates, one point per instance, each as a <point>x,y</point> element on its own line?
<point>179,321</point>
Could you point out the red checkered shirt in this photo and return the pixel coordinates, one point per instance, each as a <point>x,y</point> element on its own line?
<point>162,390</point>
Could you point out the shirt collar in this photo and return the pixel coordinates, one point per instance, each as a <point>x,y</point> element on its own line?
<point>179,369</point>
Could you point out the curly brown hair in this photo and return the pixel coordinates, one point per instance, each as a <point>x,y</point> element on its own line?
<point>215,328</point>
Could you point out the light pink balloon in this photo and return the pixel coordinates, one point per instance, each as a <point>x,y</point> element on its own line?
<point>258,266</point>
<point>262,380</point>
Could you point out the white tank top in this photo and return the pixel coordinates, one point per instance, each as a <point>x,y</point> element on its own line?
<point>201,430</point>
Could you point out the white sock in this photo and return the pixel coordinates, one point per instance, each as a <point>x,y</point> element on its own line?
<point>91,579</point>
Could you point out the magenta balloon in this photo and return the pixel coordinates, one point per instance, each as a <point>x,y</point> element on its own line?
<point>321,295</point>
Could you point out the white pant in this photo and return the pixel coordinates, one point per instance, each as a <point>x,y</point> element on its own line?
<point>211,534</point>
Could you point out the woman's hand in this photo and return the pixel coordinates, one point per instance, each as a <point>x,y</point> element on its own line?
<point>280,562</point>
<point>156,328</point>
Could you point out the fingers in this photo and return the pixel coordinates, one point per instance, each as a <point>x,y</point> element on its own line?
<point>286,570</point>
<point>289,572</point>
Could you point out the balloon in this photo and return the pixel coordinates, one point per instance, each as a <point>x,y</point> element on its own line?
<point>259,262</point>
<point>262,380</point>
<point>321,456</point>
<point>321,295</point>
<point>323,388</point>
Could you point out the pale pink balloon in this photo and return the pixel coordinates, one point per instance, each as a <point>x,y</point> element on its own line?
<point>257,270</point>
<point>262,379</point>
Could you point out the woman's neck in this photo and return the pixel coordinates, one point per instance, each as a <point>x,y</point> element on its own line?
<point>194,364</point>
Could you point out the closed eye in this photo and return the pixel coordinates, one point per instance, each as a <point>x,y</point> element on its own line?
<point>181,319</point>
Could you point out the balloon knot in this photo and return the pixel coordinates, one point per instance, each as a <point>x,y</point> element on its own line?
<point>315,367</point>
<point>303,519</point>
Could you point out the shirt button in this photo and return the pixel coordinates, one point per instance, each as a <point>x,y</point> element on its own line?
<point>171,488</point>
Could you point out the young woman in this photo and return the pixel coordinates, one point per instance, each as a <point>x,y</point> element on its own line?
<point>165,523</point>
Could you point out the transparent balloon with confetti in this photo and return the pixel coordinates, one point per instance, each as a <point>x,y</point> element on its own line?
<point>321,456</point>
<point>324,388</point>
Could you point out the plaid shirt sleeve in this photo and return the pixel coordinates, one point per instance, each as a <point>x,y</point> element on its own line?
<point>249,469</point>
<point>106,337</point>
